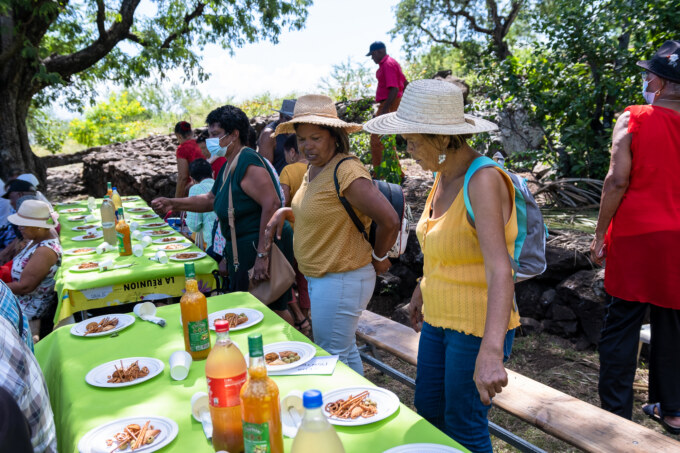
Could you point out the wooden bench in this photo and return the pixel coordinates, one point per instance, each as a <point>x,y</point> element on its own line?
<point>576,422</point>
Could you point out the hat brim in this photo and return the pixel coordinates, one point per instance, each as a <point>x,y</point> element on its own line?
<point>390,123</point>
<point>15,219</point>
<point>289,126</point>
<point>284,112</point>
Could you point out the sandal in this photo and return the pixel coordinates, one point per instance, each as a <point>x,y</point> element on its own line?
<point>654,412</point>
<point>299,326</point>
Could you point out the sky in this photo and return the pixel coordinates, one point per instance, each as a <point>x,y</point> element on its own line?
<point>335,30</point>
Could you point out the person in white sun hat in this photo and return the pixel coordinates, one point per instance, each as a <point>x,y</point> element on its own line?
<point>464,302</point>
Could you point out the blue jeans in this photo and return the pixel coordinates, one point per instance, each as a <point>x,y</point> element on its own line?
<point>337,300</point>
<point>446,394</point>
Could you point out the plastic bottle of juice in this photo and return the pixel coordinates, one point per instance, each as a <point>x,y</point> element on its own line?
<point>260,403</point>
<point>225,371</point>
<point>315,429</point>
<point>109,191</point>
<point>123,235</point>
<point>194,308</point>
<point>109,221</point>
<point>117,202</point>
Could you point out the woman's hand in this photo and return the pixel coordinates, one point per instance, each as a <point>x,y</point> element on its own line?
<point>415,309</point>
<point>597,251</point>
<point>162,205</point>
<point>490,375</point>
<point>381,266</point>
<point>275,224</point>
<point>261,269</point>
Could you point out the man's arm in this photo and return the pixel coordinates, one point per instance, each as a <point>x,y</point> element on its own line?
<point>267,144</point>
<point>391,96</point>
<point>182,177</point>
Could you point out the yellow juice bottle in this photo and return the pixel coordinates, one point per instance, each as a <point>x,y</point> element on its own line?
<point>194,308</point>
<point>123,235</point>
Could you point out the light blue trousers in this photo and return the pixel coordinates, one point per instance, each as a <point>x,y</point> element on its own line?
<point>337,301</point>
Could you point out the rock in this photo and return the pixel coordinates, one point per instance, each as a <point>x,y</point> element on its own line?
<point>401,315</point>
<point>407,279</point>
<point>584,293</point>
<point>562,328</point>
<point>562,313</point>
<point>562,263</point>
<point>529,326</point>
<point>387,284</point>
<point>528,295</point>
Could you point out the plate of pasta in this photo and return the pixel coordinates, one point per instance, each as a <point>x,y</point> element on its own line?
<point>355,406</point>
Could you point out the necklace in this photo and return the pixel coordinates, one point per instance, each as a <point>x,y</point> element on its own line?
<point>669,100</point>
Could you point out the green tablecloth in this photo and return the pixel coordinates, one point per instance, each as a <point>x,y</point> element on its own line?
<point>78,407</point>
<point>118,286</point>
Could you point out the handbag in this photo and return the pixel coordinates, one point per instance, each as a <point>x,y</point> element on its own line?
<point>281,273</point>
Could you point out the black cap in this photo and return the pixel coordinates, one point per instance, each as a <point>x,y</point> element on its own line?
<point>18,185</point>
<point>666,62</point>
<point>375,46</point>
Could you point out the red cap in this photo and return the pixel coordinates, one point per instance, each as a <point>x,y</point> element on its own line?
<point>221,325</point>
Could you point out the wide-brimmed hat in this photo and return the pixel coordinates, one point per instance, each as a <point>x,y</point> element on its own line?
<point>666,62</point>
<point>18,185</point>
<point>28,177</point>
<point>315,109</point>
<point>287,107</point>
<point>429,107</point>
<point>33,213</point>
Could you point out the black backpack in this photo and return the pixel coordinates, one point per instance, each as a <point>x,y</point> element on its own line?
<point>395,196</point>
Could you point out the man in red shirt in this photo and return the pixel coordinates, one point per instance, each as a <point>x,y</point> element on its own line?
<point>391,85</point>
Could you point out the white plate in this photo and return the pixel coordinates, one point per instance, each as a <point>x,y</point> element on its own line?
<point>98,235</point>
<point>306,352</point>
<point>130,198</point>
<point>67,203</point>
<point>154,225</point>
<point>76,218</point>
<point>95,439</point>
<point>154,234</point>
<point>123,321</point>
<point>100,374</point>
<point>73,210</point>
<point>254,317</point>
<point>140,217</point>
<point>198,257</point>
<point>168,241</point>
<point>423,448</point>
<point>135,210</point>
<point>388,404</point>
<point>178,248</point>
<point>86,228</point>
<point>71,253</point>
<point>75,268</point>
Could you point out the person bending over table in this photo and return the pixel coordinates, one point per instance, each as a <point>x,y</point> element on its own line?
<point>465,297</point>
<point>339,263</point>
<point>255,191</point>
<point>34,267</point>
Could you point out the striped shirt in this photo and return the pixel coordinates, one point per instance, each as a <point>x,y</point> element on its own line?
<point>11,311</point>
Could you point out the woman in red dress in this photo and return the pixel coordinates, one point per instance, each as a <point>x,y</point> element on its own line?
<point>638,232</point>
<point>187,152</point>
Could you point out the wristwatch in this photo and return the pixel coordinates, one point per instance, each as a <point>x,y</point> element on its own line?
<point>262,254</point>
<point>378,258</point>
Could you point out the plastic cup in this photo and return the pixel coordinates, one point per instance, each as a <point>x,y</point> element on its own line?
<point>161,257</point>
<point>199,403</point>
<point>91,203</point>
<point>105,265</point>
<point>180,362</point>
<point>137,235</point>
<point>90,218</point>
<point>138,250</point>
<point>134,226</point>
<point>146,241</point>
<point>145,309</point>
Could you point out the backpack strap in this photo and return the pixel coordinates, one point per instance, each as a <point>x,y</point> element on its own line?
<point>346,204</point>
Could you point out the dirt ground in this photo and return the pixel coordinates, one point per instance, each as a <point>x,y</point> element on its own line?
<point>548,359</point>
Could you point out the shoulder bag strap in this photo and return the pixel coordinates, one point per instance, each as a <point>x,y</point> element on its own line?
<point>230,212</point>
<point>346,204</point>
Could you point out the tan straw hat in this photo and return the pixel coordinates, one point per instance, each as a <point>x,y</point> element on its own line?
<point>315,109</point>
<point>429,107</point>
<point>33,213</point>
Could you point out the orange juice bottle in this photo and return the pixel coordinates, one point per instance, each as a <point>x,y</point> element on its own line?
<point>194,308</point>
<point>260,403</point>
<point>225,371</point>
<point>123,235</point>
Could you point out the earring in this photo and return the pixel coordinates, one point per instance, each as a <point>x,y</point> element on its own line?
<point>442,158</point>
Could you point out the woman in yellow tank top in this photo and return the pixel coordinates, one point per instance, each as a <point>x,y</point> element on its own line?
<point>464,302</point>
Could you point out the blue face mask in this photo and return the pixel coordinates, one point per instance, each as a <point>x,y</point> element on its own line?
<point>214,148</point>
<point>649,97</point>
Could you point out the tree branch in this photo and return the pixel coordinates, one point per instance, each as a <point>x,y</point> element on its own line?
<point>185,29</point>
<point>470,18</point>
<point>101,15</point>
<point>439,40</point>
<point>516,6</point>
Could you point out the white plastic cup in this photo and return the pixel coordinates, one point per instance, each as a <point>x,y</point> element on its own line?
<point>134,226</point>
<point>180,362</point>
<point>101,248</point>
<point>199,402</point>
<point>137,235</point>
<point>161,257</point>
<point>105,265</point>
<point>138,250</point>
<point>90,218</point>
<point>91,204</point>
<point>145,241</point>
<point>145,309</point>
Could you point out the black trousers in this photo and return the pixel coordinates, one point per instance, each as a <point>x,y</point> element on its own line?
<point>15,434</point>
<point>618,356</point>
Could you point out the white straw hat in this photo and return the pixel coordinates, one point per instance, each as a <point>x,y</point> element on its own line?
<point>33,213</point>
<point>315,109</point>
<point>429,107</point>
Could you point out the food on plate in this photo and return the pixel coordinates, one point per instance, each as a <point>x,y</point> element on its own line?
<point>82,250</point>
<point>134,436</point>
<point>78,217</point>
<point>235,319</point>
<point>74,210</point>
<point>169,240</point>
<point>159,232</point>
<point>186,256</point>
<point>130,198</point>
<point>88,265</point>
<point>353,407</point>
<point>129,374</point>
<point>155,224</point>
<point>137,209</point>
<point>85,227</point>
<point>147,216</point>
<point>104,325</point>
<point>281,358</point>
<point>174,246</point>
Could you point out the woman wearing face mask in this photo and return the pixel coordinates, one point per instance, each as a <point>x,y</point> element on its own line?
<point>216,162</point>
<point>638,233</point>
<point>186,153</point>
<point>256,197</point>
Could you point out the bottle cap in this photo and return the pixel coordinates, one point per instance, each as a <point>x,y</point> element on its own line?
<point>108,184</point>
<point>255,345</point>
<point>221,325</point>
<point>115,189</point>
<point>189,271</point>
<point>312,399</point>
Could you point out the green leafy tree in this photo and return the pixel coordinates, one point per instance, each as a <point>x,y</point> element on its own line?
<point>46,129</point>
<point>348,80</point>
<point>60,47</point>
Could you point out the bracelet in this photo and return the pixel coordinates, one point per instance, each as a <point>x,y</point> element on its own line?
<point>262,254</point>
<point>377,258</point>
